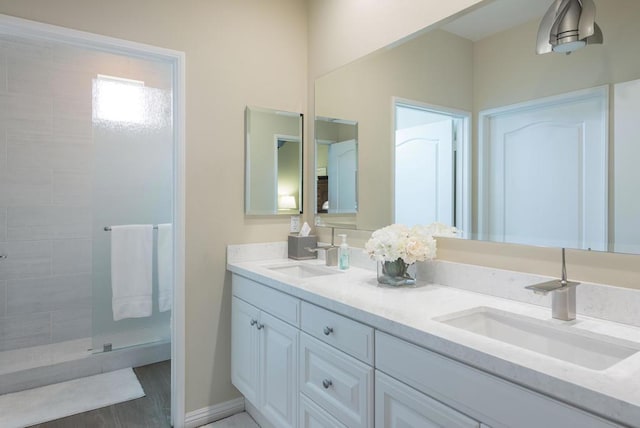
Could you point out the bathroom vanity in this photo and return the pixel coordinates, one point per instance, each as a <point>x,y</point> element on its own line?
<point>316,346</point>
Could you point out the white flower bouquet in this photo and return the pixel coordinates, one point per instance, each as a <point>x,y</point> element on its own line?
<point>398,241</point>
<point>398,246</point>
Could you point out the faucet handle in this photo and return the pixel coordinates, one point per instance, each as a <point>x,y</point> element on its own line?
<point>549,286</point>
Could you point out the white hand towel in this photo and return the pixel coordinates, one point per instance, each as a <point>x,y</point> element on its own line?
<point>131,270</point>
<point>165,266</point>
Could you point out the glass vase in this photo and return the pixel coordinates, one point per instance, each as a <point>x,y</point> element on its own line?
<point>396,273</point>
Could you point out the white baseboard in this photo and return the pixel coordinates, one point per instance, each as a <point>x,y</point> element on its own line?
<point>213,413</point>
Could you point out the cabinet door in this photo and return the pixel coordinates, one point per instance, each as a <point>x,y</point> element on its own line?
<point>314,416</point>
<point>398,405</point>
<point>244,349</point>
<point>279,371</point>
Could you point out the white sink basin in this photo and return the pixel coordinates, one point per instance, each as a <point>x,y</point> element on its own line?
<point>586,349</point>
<point>301,270</point>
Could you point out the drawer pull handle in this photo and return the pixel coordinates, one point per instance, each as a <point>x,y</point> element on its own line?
<point>3,256</point>
<point>328,331</point>
<point>260,326</point>
<point>327,383</point>
<point>253,322</point>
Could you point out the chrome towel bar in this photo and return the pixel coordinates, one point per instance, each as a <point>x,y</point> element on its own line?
<point>108,228</point>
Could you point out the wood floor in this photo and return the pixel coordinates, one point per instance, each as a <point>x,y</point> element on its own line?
<point>152,411</point>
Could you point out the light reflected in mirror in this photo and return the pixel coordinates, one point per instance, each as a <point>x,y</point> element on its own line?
<point>530,177</point>
<point>336,166</point>
<point>273,164</point>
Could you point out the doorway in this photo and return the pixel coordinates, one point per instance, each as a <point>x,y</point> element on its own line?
<point>57,121</point>
<point>430,164</point>
<point>541,158</point>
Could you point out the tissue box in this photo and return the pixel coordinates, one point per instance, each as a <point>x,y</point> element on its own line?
<point>297,245</point>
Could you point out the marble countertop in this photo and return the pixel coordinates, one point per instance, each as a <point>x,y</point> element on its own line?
<point>409,312</point>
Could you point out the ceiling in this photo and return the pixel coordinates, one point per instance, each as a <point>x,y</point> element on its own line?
<point>495,17</point>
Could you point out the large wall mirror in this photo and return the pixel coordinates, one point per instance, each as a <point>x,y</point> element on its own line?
<point>273,164</point>
<point>551,151</point>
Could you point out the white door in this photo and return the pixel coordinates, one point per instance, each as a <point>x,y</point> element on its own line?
<point>400,406</point>
<point>244,349</point>
<point>424,178</point>
<point>342,169</point>
<point>279,371</point>
<point>546,172</point>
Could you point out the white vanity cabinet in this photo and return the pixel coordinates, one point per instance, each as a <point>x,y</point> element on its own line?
<point>301,365</point>
<point>479,395</point>
<point>264,351</point>
<point>336,370</point>
<point>398,405</point>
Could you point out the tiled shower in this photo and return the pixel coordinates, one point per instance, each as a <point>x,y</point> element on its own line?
<point>65,173</point>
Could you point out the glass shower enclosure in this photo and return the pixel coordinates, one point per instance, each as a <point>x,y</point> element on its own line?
<point>133,179</point>
<point>86,142</point>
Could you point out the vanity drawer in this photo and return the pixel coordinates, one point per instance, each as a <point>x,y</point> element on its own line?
<point>278,304</point>
<point>480,395</point>
<point>337,382</point>
<point>349,336</point>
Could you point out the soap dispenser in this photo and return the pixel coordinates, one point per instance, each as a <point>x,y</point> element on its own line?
<point>343,256</point>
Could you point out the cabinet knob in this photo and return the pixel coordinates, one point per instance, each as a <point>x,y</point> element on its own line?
<point>253,322</point>
<point>260,326</point>
<point>328,331</point>
<point>327,383</point>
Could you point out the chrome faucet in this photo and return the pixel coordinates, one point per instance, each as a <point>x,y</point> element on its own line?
<point>563,297</point>
<point>331,251</point>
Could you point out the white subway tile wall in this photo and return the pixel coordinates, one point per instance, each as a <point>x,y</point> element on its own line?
<point>46,159</point>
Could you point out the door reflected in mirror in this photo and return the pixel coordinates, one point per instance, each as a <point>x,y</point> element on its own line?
<point>273,167</point>
<point>431,152</point>
<point>336,166</point>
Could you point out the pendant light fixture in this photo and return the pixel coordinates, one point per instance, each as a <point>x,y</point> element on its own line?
<point>567,26</point>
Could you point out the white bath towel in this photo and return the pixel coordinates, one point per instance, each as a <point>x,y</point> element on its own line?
<point>165,266</point>
<point>131,270</point>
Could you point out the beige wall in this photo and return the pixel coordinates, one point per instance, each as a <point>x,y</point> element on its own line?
<point>235,56</point>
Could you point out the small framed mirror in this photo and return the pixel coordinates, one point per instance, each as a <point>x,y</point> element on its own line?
<point>273,162</point>
<point>336,166</point>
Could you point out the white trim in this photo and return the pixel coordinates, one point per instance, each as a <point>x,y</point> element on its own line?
<point>32,29</point>
<point>206,415</point>
<point>178,330</point>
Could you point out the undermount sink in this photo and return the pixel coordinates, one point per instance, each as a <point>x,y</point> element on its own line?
<point>586,349</point>
<point>301,270</point>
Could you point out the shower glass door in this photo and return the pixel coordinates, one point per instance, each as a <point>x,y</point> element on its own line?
<point>132,184</point>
